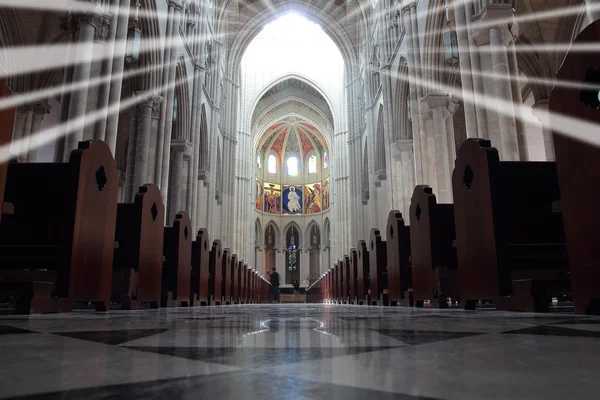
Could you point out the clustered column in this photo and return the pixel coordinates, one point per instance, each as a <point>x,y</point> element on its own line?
<point>28,123</point>
<point>439,107</point>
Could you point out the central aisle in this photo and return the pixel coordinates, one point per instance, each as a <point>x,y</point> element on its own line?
<point>300,351</point>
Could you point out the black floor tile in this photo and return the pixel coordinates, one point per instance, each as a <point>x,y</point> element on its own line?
<point>546,330</point>
<point>11,330</point>
<point>416,337</point>
<point>112,337</point>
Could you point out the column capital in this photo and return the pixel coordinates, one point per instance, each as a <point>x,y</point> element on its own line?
<point>176,4</point>
<point>442,100</point>
<point>408,4</point>
<point>180,145</point>
<point>42,108</point>
<point>540,109</point>
<point>23,110</point>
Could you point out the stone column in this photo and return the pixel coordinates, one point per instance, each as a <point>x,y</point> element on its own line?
<point>517,96</point>
<point>39,110</point>
<point>26,135</point>
<point>164,180</point>
<point>442,106</point>
<point>118,64</point>
<point>142,143</point>
<point>413,96</point>
<point>466,70</point>
<point>540,110</point>
<point>21,115</point>
<point>160,146</point>
<point>178,147</point>
<point>81,73</point>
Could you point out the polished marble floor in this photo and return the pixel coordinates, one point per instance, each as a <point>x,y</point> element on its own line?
<point>300,351</point>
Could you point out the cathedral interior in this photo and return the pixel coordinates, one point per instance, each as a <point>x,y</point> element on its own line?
<point>413,183</point>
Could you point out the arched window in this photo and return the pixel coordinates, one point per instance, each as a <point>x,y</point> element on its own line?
<point>272,164</point>
<point>325,160</point>
<point>292,166</point>
<point>258,163</point>
<point>312,164</point>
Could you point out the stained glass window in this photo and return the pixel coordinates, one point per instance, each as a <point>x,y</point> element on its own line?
<point>325,160</point>
<point>292,166</point>
<point>272,164</point>
<point>312,164</point>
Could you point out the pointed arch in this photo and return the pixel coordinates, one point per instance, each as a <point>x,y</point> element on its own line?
<point>289,226</point>
<point>308,234</point>
<point>402,122</point>
<point>181,124</point>
<point>258,234</point>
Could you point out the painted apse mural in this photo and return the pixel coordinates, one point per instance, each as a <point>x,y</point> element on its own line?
<point>292,200</point>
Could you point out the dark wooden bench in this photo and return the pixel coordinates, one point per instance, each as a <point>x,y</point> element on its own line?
<point>398,260</point>
<point>215,280</point>
<point>61,232</point>
<point>7,121</point>
<point>138,257</point>
<point>378,274</point>
<point>434,263</point>
<point>227,279</point>
<point>346,281</point>
<point>353,276</point>
<point>199,287</point>
<point>506,230</point>
<point>177,262</point>
<point>578,170</point>
<point>362,273</point>
<point>234,278</point>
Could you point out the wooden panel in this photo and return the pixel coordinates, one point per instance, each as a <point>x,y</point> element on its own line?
<point>434,265</point>
<point>7,121</point>
<point>377,268</point>
<point>505,227</point>
<point>363,272</point>
<point>177,264</point>
<point>138,258</point>
<point>234,278</point>
<point>64,221</point>
<point>200,269</point>
<point>353,275</point>
<point>578,170</point>
<point>216,272</point>
<point>227,279</point>
<point>398,259</point>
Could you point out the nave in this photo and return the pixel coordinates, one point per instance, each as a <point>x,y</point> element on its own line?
<point>300,351</point>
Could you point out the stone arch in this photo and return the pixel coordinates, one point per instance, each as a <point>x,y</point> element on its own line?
<point>402,122</point>
<point>259,238</point>
<point>181,126</point>
<point>308,239</point>
<point>289,226</point>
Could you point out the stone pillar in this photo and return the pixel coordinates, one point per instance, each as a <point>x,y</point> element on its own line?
<point>517,96</point>
<point>466,70</point>
<point>26,135</point>
<point>280,264</point>
<point>81,73</point>
<point>39,110</point>
<point>499,38</point>
<point>107,66</point>
<point>540,110</point>
<point>478,87</point>
<point>21,115</point>
<point>118,64</point>
<point>414,96</point>
<point>178,147</point>
<point>160,146</point>
<point>164,180</point>
<point>442,106</point>
<point>142,143</point>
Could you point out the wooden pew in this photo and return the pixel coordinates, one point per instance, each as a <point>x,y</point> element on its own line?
<point>362,273</point>
<point>578,171</point>
<point>177,262</point>
<point>62,231</point>
<point>137,263</point>
<point>235,264</point>
<point>7,121</point>
<point>378,274</point>
<point>398,260</point>
<point>227,279</point>
<point>353,276</point>
<point>434,263</point>
<point>215,262</point>
<point>510,245</point>
<point>346,268</point>
<point>200,270</point>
